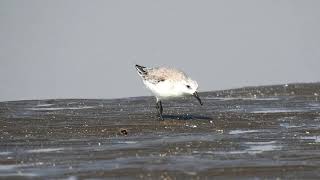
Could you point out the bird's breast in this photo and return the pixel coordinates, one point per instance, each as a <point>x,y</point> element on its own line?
<point>163,89</point>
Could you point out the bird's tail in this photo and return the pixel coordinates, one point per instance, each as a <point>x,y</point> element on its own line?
<point>141,70</point>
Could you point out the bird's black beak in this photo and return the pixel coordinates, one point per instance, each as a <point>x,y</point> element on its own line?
<point>196,95</point>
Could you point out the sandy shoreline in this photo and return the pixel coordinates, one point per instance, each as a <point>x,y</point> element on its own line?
<point>264,132</point>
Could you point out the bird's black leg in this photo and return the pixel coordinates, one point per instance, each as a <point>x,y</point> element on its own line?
<point>160,109</point>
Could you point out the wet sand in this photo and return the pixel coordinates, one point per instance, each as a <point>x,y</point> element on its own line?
<point>255,132</point>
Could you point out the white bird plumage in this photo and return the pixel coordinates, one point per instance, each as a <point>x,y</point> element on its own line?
<point>167,83</point>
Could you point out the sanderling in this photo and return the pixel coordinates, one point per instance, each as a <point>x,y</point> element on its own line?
<point>167,83</point>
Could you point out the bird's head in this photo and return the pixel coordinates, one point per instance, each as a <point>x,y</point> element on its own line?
<point>190,86</point>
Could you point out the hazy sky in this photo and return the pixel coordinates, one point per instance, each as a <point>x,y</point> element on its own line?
<point>87,49</point>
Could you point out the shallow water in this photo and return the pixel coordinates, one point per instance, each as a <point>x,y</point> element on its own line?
<point>260,132</point>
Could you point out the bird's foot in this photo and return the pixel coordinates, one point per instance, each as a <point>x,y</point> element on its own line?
<point>161,117</point>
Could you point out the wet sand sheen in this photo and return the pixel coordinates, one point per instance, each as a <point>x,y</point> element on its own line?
<point>257,132</point>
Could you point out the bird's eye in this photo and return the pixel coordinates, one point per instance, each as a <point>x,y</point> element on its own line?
<point>188,86</point>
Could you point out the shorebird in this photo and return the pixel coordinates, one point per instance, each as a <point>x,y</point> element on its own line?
<point>167,83</point>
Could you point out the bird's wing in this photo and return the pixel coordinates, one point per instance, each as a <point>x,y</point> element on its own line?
<point>141,70</point>
<point>162,74</point>
<point>154,78</point>
<point>148,74</point>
